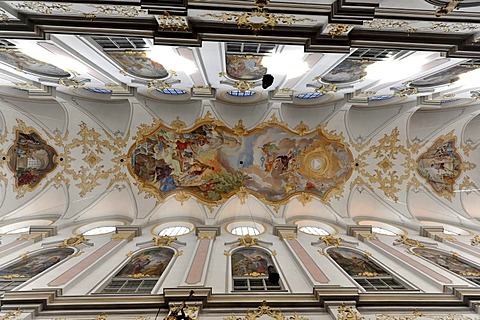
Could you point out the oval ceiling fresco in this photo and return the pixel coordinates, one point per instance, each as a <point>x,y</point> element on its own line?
<point>212,162</point>
<point>349,70</point>
<point>443,77</point>
<point>245,67</point>
<point>441,165</point>
<point>19,60</point>
<point>137,64</point>
<point>30,158</point>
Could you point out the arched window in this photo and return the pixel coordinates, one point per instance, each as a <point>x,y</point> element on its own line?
<point>29,266</point>
<point>451,262</point>
<point>250,270</point>
<point>141,273</point>
<point>368,274</point>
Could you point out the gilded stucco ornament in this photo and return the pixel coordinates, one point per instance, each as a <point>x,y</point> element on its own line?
<point>377,167</point>
<point>45,7</point>
<point>73,241</point>
<point>386,24</point>
<point>247,241</point>
<point>475,241</point>
<point>406,241</point>
<point>257,20</point>
<point>173,23</point>
<point>468,146</point>
<point>348,313</point>
<point>447,8</point>
<point>11,315</point>
<point>4,18</point>
<point>337,30</point>
<point>162,241</point>
<point>102,155</point>
<point>416,315</point>
<point>264,310</point>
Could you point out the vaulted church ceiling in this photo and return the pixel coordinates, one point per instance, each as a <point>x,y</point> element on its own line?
<point>173,121</point>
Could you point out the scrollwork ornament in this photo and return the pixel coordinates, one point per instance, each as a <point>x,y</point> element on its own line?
<point>348,313</point>
<point>247,241</point>
<point>162,241</point>
<point>409,242</point>
<point>73,241</point>
<point>475,241</point>
<point>330,240</point>
<point>10,315</point>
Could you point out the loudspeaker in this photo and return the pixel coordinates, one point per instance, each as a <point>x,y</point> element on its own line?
<point>267,81</point>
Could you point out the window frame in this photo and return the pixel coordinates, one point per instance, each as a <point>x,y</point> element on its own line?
<point>230,278</point>
<point>408,286</point>
<point>22,281</point>
<point>107,280</point>
<point>471,279</point>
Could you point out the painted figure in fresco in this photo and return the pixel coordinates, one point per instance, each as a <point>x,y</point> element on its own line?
<point>449,262</point>
<point>440,165</point>
<point>37,263</point>
<point>213,163</point>
<point>138,64</point>
<point>349,70</point>
<point>31,159</point>
<point>21,61</point>
<point>354,263</point>
<point>241,67</point>
<point>441,78</point>
<point>148,263</point>
<point>250,260</point>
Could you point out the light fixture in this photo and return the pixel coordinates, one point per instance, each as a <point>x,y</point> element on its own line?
<point>32,49</point>
<point>171,60</point>
<point>289,62</point>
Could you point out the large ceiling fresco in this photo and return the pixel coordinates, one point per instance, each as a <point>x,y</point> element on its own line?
<point>214,162</point>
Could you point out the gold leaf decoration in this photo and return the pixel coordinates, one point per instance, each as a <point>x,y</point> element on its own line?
<point>162,241</point>
<point>348,313</point>
<point>387,177</point>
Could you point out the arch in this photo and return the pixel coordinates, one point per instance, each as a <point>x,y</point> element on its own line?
<point>140,274</point>
<point>23,269</point>
<point>250,270</point>
<point>451,262</point>
<point>367,273</point>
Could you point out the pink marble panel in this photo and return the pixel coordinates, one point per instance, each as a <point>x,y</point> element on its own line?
<point>437,276</point>
<point>199,261</point>
<point>84,264</point>
<point>308,262</point>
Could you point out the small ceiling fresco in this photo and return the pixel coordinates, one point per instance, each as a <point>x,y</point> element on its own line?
<point>441,165</point>
<point>213,162</point>
<point>23,62</point>
<point>245,67</point>
<point>349,70</point>
<point>443,77</point>
<point>137,64</point>
<point>30,158</point>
